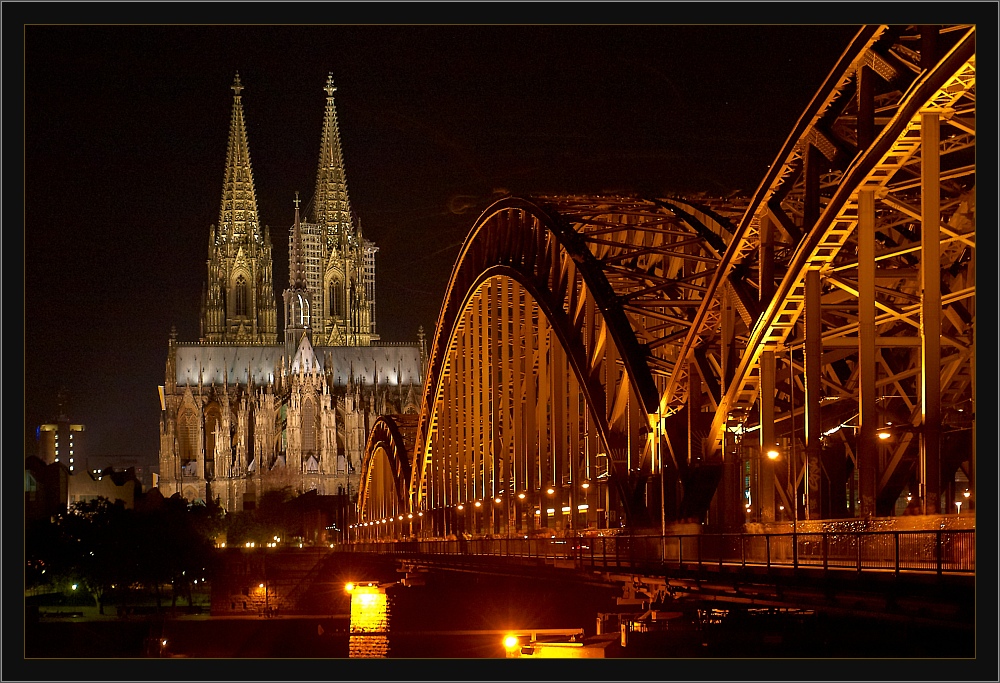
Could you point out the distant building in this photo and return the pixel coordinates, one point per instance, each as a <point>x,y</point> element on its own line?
<point>121,462</point>
<point>51,489</point>
<point>108,483</point>
<point>246,409</point>
<point>61,441</point>
<point>46,488</point>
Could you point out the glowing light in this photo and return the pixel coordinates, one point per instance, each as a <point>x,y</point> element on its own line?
<point>550,490</point>
<point>260,586</point>
<point>550,511</point>
<point>585,485</point>
<point>884,434</point>
<point>566,509</point>
<point>496,500</point>
<point>74,586</point>
<point>583,507</point>
<point>772,453</point>
<point>349,587</point>
<point>966,494</point>
<point>409,516</point>
<point>478,504</point>
<point>461,507</point>
<point>510,642</point>
<point>521,495</point>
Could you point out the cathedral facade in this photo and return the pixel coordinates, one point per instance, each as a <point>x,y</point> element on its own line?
<point>245,410</point>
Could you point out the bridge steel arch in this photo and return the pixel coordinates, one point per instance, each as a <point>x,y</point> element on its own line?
<point>552,348</point>
<point>383,503</point>
<point>852,284</point>
<point>619,342</point>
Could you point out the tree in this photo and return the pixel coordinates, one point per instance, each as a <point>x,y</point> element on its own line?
<point>96,548</point>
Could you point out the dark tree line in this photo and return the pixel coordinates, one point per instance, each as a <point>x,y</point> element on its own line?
<point>117,553</point>
<point>111,551</point>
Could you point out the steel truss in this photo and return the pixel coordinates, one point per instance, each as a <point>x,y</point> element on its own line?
<point>595,347</point>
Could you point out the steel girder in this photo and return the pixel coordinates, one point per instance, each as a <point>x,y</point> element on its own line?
<point>805,314</point>
<point>864,228</point>
<point>603,289</point>
<point>385,476</point>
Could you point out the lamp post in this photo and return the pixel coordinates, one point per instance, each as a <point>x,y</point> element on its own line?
<point>773,453</point>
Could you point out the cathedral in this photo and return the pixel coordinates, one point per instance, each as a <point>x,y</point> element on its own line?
<point>245,409</point>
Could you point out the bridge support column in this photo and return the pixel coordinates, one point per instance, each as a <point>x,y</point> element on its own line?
<point>930,313</point>
<point>866,446</point>
<point>814,392</point>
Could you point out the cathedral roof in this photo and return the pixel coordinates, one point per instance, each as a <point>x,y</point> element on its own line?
<point>217,364</point>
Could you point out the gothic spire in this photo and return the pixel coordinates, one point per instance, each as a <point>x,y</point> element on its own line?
<point>238,218</point>
<point>241,305</point>
<point>297,268</point>
<point>331,207</point>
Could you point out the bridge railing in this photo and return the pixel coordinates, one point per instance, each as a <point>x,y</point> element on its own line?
<point>936,551</point>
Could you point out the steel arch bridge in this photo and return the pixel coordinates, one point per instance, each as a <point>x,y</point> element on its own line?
<point>611,361</point>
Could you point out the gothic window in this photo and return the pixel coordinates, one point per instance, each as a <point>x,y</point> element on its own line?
<point>241,296</point>
<point>308,426</point>
<point>334,298</point>
<point>187,436</point>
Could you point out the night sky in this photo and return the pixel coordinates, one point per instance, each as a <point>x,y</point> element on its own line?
<point>125,135</point>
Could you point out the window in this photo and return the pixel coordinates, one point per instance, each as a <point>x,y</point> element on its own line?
<point>334,298</point>
<point>241,296</point>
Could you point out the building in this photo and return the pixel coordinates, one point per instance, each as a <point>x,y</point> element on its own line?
<point>61,440</point>
<point>51,489</point>
<point>120,462</point>
<point>244,409</point>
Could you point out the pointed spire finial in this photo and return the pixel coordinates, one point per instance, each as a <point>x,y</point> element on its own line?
<point>237,86</point>
<point>330,88</point>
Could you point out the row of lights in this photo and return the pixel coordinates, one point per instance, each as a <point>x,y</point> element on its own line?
<point>461,506</point>
<point>386,520</point>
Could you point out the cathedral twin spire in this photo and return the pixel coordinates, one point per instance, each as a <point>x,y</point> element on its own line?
<point>238,304</point>
<point>331,266</point>
<point>331,206</point>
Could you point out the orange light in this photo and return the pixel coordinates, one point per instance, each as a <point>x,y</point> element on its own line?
<point>773,454</point>
<point>510,642</point>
